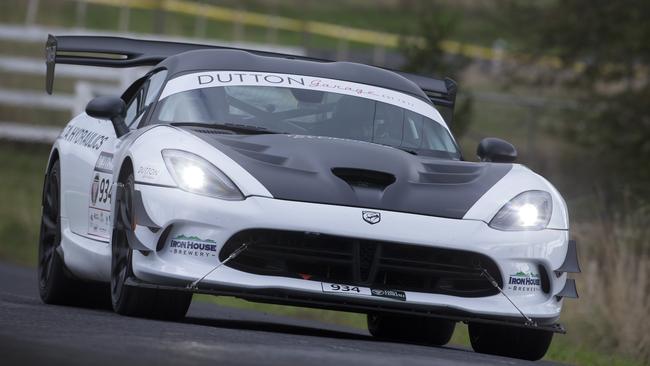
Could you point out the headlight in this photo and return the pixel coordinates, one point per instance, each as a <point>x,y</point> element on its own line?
<point>194,174</point>
<point>530,210</point>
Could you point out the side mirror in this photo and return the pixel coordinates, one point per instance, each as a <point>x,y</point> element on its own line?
<point>495,150</point>
<point>111,108</point>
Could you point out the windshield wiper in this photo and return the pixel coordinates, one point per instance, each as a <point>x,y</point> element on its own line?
<point>234,127</point>
<point>410,151</point>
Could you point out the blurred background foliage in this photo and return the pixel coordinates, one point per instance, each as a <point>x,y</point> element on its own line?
<point>565,81</point>
<point>604,49</point>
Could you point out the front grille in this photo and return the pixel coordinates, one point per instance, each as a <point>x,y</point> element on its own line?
<point>359,262</point>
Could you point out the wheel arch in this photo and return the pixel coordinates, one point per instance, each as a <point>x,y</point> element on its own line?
<point>53,158</point>
<point>125,168</point>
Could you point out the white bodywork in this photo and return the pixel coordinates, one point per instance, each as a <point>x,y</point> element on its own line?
<point>86,219</point>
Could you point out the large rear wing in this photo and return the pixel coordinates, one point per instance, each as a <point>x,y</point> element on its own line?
<point>127,52</point>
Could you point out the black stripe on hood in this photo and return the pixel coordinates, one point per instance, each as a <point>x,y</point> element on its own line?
<point>359,174</point>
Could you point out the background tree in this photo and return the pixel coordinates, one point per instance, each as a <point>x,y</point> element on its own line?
<point>428,58</point>
<point>604,49</point>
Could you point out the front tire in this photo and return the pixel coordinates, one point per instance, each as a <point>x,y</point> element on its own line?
<point>523,343</point>
<point>130,300</point>
<point>432,331</point>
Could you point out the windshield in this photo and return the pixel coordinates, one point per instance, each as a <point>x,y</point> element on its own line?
<point>306,111</point>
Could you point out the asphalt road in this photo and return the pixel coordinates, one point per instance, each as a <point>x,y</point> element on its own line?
<point>32,333</point>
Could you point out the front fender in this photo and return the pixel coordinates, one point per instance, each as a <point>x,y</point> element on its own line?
<point>518,180</point>
<point>149,166</point>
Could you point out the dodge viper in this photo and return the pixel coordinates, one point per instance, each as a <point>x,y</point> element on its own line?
<point>291,180</point>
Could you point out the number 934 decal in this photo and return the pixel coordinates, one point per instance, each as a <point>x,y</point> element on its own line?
<point>99,214</point>
<point>357,290</point>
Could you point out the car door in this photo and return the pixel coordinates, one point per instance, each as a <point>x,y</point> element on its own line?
<point>90,172</point>
<point>81,143</point>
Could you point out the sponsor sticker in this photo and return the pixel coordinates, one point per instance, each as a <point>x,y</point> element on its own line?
<point>99,205</point>
<point>83,137</point>
<point>390,294</point>
<point>192,246</point>
<point>524,282</point>
<point>147,172</point>
<point>104,163</point>
<point>209,79</point>
<point>99,223</point>
<point>94,190</point>
<point>363,291</point>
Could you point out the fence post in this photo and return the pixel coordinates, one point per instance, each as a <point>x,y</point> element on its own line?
<point>159,19</point>
<point>498,50</point>
<point>379,56</point>
<point>238,32</point>
<point>83,94</point>
<point>81,14</point>
<point>125,12</point>
<point>272,26</point>
<point>342,49</point>
<point>532,121</point>
<point>32,11</point>
<point>200,24</point>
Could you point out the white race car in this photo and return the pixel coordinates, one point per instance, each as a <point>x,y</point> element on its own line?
<point>290,180</point>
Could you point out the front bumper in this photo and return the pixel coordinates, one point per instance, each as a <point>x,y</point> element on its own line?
<point>208,223</point>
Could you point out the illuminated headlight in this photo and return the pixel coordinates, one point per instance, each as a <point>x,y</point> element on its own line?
<point>194,174</point>
<point>530,210</point>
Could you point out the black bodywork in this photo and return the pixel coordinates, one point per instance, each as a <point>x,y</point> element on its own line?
<point>354,173</point>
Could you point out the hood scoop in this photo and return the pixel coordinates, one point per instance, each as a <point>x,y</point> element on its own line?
<point>450,173</point>
<point>362,178</point>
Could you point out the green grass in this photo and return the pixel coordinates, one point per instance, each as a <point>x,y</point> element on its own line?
<point>30,82</point>
<point>24,49</point>
<point>20,193</point>
<point>351,320</point>
<point>36,116</point>
<point>20,190</point>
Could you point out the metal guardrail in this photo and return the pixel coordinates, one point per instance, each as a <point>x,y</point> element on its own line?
<point>90,82</point>
<point>112,81</point>
<point>28,133</point>
<point>345,33</point>
<point>240,18</point>
<point>224,14</point>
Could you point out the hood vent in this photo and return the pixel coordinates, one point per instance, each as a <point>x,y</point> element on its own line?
<point>364,178</point>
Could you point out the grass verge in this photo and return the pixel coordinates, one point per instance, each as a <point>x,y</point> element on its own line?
<point>20,206</point>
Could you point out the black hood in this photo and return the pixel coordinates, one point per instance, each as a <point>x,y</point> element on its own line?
<point>353,173</point>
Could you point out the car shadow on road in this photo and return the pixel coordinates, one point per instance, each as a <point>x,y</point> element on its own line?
<point>295,329</point>
<point>275,327</point>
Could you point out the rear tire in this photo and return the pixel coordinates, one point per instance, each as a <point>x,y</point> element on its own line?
<point>135,301</point>
<point>55,284</point>
<point>523,343</point>
<point>432,331</point>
